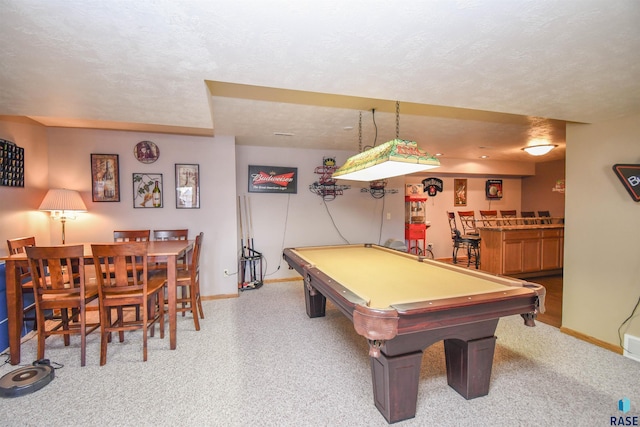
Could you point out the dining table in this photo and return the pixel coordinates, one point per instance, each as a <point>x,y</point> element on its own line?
<point>161,252</point>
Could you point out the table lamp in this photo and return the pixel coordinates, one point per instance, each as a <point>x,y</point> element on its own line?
<point>63,204</point>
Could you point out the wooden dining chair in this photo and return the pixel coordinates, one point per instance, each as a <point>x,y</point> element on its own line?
<point>468,222</point>
<point>188,281</point>
<point>120,290</point>
<point>178,234</point>
<point>489,218</point>
<point>508,217</point>
<point>59,286</point>
<point>131,235</point>
<point>17,246</point>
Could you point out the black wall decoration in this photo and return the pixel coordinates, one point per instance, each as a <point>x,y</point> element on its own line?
<point>630,177</point>
<point>432,186</point>
<point>11,164</point>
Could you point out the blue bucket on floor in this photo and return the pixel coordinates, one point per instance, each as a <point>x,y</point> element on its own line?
<point>4,327</point>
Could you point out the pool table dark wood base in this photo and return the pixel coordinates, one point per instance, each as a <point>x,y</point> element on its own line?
<point>395,372</point>
<point>469,361</point>
<point>398,334</point>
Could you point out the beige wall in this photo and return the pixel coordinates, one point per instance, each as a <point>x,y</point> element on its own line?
<point>439,234</point>
<point>67,165</point>
<point>19,216</point>
<point>602,268</point>
<point>302,219</point>
<point>281,221</point>
<point>539,192</point>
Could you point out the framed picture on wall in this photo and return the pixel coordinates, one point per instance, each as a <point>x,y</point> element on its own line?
<point>147,190</point>
<point>459,192</point>
<point>493,189</point>
<point>11,164</point>
<point>105,178</point>
<point>187,186</point>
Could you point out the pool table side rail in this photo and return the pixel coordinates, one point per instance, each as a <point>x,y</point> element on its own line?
<point>384,324</point>
<point>326,285</point>
<point>421,319</point>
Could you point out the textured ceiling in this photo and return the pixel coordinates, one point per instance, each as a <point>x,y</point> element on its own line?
<point>202,66</point>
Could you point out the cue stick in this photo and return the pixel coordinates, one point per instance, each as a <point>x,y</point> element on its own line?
<point>249,243</point>
<point>240,270</point>
<point>250,221</point>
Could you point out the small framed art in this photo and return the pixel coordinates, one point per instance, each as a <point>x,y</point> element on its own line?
<point>105,178</point>
<point>493,189</point>
<point>187,186</point>
<point>146,152</point>
<point>147,190</point>
<point>459,192</point>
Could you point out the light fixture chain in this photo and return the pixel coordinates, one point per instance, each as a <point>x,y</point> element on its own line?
<point>360,133</point>
<point>397,120</point>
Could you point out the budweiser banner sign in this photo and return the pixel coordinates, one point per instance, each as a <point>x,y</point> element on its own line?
<point>273,179</point>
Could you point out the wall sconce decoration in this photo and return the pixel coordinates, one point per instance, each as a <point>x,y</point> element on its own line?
<point>326,187</point>
<point>63,204</point>
<point>378,189</point>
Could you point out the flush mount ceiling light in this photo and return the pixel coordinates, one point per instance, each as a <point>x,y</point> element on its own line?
<point>540,149</point>
<point>393,158</point>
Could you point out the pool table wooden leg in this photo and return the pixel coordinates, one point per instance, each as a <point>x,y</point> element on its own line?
<point>469,365</point>
<point>395,385</point>
<point>315,302</point>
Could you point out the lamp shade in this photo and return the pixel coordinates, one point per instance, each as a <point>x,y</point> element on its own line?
<point>61,199</point>
<point>539,150</point>
<point>393,158</point>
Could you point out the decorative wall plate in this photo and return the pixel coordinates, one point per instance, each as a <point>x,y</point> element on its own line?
<point>146,152</point>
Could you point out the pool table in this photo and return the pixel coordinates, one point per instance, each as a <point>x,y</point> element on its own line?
<point>403,303</point>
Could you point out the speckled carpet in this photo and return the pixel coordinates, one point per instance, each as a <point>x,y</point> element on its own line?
<point>258,360</point>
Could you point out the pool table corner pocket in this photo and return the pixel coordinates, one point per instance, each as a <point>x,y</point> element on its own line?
<point>376,326</point>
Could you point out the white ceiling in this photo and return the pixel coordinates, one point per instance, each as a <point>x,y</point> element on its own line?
<point>472,77</point>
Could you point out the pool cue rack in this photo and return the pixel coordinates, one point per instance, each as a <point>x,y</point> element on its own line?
<point>250,270</point>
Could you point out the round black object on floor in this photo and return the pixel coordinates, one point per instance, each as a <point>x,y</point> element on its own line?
<point>26,380</point>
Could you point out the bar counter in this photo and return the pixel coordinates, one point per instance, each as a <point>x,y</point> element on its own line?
<point>522,250</point>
